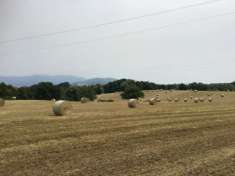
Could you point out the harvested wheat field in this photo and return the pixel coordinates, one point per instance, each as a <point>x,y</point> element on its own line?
<point>106,139</point>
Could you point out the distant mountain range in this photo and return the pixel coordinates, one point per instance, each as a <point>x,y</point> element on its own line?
<point>19,81</point>
<point>95,81</point>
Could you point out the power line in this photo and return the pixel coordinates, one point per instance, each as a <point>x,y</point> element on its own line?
<point>111,22</point>
<point>145,30</point>
<point>139,31</point>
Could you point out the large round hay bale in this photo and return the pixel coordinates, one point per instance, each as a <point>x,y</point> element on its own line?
<point>201,99</point>
<point>169,99</point>
<point>100,99</point>
<point>152,101</point>
<point>158,100</point>
<point>176,100</point>
<point>104,100</point>
<point>185,100</point>
<point>132,103</point>
<point>84,100</point>
<point>196,100</point>
<point>61,107</point>
<point>222,95</point>
<point>210,99</point>
<point>2,102</point>
<point>108,100</point>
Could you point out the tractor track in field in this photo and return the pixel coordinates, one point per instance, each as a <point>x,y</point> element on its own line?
<point>177,140</point>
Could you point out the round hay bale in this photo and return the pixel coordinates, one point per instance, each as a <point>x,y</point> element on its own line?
<point>222,95</point>
<point>84,100</point>
<point>169,99</point>
<point>2,102</point>
<point>152,101</point>
<point>158,100</point>
<point>104,100</point>
<point>185,100</point>
<point>176,100</point>
<point>108,100</point>
<point>196,100</point>
<point>61,107</point>
<point>101,100</point>
<point>132,103</point>
<point>201,99</point>
<point>210,99</point>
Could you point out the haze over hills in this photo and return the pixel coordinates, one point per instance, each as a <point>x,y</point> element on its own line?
<point>95,81</point>
<point>19,81</point>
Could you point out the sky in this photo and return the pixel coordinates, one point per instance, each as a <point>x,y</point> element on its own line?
<point>164,41</point>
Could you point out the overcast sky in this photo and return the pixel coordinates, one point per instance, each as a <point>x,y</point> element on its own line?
<point>189,44</point>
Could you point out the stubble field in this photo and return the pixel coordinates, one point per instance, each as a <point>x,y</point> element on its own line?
<point>104,139</point>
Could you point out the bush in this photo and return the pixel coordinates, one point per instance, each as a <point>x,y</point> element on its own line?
<point>44,91</point>
<point>24,93</point>
<point>86,91</point>
<point>76,93</point>
<point>132,91</point>
<point>72,94</point>
<point>7,91</point>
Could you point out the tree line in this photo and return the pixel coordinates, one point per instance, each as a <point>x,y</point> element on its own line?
<point>129,89</point>
<point>119,85</point>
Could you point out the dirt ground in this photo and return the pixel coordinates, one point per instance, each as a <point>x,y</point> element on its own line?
<point>109,139</point>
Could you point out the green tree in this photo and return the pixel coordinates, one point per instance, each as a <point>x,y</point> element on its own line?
<point>7,91</point>
<point>75,93</point>
<point>61,90</point>
<point>86,91</point>
<point>98,89</point>
<point>24,93</point>
<point>182,86</point>
<point>132,91</point>
<point>44,91</point>
<point>72,94</point>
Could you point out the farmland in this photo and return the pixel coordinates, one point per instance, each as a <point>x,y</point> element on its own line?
<point>111,139</point>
